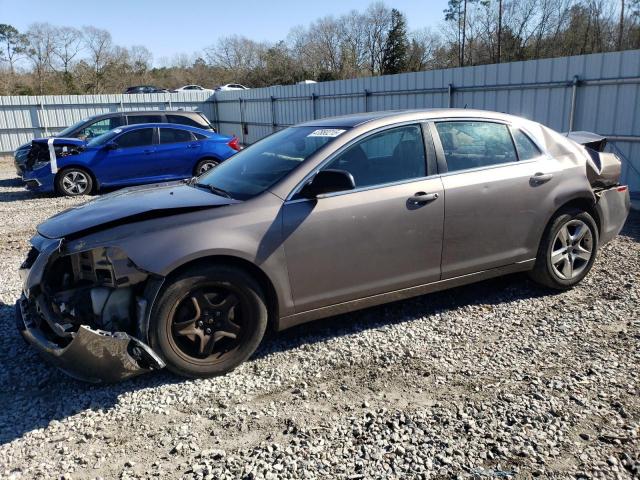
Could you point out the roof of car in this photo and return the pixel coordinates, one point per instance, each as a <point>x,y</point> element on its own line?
<point>178,126</point>
<point>392,116</point>
<point>145,112</point>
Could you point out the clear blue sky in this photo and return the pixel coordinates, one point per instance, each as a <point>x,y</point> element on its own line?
<point>170,27</point>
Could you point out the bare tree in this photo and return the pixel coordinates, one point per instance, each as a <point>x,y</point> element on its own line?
<point>67,44</point>
<point>99,45</point>
<point>39,51</point>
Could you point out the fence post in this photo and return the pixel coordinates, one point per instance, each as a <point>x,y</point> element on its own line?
<point>216,110</point>
<point>367,94</point>
<point>574,96</point>
<point>241,119</point>
<point>313,105</point>
<point>43,121</point>
<point>450,93</point>
<point>273,114</point>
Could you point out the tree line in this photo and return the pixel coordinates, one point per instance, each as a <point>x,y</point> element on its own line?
<point>48,59</point>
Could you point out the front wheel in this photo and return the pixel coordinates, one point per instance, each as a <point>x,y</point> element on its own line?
<point>73,182</point>
<point>567,251</point>
<point>208,320</point>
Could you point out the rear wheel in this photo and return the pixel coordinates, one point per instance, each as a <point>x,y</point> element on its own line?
<point>73,182</point>
<point>208,320</point>
<point>205,165</point>
<point>567,251</point>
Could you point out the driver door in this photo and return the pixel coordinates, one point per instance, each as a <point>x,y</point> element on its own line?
<point>371,240</point>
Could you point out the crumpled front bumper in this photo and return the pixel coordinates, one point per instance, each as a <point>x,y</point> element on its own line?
<point>89,354</point>
<point>92,355</point>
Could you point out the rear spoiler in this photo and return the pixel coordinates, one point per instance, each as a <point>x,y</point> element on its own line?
<point>588,139</point>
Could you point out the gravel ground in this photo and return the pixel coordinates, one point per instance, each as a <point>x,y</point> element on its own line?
<point>497,379</point>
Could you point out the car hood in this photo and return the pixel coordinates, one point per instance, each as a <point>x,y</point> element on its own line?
<point>61,141</point>
<point>130,205</point>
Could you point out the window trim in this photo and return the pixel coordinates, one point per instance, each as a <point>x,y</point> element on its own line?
<point>443,167</point>
<point>420,123</point>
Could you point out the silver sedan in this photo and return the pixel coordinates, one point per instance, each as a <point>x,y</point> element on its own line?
<point>319,219</point>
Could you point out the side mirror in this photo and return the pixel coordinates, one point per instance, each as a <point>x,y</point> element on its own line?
<point>328,181</point>
<point>111,146</point>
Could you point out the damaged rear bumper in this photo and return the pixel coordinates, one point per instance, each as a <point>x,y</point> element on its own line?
<point>612,206</point>
<point>92,355</point>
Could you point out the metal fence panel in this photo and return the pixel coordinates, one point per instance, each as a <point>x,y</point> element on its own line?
<point>597,92</point>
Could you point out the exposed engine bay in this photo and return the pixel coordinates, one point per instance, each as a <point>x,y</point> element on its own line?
<point>40,150</point>
<point>92,301</point>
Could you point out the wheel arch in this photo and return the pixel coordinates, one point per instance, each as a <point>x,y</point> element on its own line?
<point>94,179</point>
<point>255,271</point>
<point>207,156</point>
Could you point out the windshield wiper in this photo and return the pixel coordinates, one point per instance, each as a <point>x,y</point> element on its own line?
<point>216,190</point>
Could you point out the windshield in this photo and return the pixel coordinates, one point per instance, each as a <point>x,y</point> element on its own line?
<point>104,138</point>
<point>256,168</point>
<point>69,130</point>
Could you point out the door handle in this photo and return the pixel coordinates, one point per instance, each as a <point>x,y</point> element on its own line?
<point>540,178</point>
<point>148,151</point>
<point>423,197</point>
<point>192,145</point>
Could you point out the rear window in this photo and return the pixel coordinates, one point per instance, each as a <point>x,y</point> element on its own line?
<point>135,119</point>
<point>174,135</point>
<point>195,121</point>
<point>526,148</point>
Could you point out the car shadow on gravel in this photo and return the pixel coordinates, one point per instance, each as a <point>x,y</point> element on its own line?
<point>33,393</point>
<point>20,196</point>
<point>496,291</point>
<point>11,182</point>
<point>631,227</point>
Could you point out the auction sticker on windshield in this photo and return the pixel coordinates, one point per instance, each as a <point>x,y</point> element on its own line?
<point>326,132</point>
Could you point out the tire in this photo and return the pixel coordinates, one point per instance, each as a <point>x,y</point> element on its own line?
<point>74,181</point>
<point>205,165</point>
<point>208,320</point>
<point>567,251</point>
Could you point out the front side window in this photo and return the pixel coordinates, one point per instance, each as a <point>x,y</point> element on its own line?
<point>255,169</point>
<point>526,148</point>
<point>475,144</point>
<point>173,135</point>
<point>389,156</point>
<point>135,119</point>
<point>136,138</point>
<point>100,127</point>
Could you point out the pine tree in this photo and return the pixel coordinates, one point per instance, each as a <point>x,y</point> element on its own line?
<point>396,47</point>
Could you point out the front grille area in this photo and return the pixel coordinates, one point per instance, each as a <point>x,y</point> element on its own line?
<point>31,258</point>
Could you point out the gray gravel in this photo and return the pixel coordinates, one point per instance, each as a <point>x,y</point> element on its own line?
<point>499,379</point>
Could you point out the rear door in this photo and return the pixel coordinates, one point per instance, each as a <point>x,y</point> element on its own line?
<point>178,152</point>
<point>374,239</point>
<point>495,194</point>
<point>133,161</point>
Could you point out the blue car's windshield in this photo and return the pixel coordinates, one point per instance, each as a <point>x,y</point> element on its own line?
<point>104,138</point>
<point>256,168</point>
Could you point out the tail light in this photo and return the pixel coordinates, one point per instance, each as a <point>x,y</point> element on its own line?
<point>233,143</point>
<point>623,188</point>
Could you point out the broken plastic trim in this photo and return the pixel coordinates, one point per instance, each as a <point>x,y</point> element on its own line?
<point>92,355</point>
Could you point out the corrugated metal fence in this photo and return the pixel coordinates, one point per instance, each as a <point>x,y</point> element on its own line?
<point>598,93</point>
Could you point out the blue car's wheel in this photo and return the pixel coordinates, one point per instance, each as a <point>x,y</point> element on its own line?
<point>73,182</point>
<point>205,165</point>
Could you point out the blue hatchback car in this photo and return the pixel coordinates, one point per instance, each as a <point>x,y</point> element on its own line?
<point>137,154</point>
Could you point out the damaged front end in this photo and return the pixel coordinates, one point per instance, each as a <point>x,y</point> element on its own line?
<point>87,311</point>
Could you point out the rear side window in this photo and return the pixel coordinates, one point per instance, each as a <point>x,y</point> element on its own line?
<point>389,156</point>
<point>185,120</point>
<point>136,138</point>
<point>173,135</point>
<point>472,144</point>
<point>526,148</point>
<point>135,119</point>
